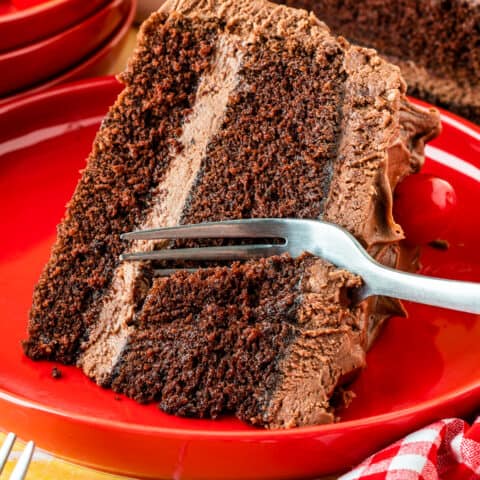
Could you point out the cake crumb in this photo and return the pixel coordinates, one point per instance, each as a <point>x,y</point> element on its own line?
<point>56,373</point>
<point>439,244</point>
<point>117,398</point>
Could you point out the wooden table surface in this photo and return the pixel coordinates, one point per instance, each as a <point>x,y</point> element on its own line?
<point>127,50</point>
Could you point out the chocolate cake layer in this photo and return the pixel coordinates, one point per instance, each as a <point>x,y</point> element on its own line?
<point>435,43</point>
<point>130,156</point>
<point>222,340</point>
<point>231,110</point>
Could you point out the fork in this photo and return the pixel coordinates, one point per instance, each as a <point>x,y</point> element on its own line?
<point>322,239</point>
<point>21,467</point>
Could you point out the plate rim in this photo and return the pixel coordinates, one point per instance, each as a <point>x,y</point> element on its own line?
<point>251,434</point>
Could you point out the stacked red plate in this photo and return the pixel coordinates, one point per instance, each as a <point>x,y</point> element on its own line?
<point>43,43</point>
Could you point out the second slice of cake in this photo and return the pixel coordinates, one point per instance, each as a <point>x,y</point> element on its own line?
<point>231,110</point>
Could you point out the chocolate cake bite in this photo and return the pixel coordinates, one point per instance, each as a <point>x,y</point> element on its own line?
<point>435,43</point>
<point>231,110</point>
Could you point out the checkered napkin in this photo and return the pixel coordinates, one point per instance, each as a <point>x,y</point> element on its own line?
<point>448,449</point>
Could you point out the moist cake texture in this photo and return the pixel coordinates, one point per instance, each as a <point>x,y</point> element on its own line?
<point>231,110</point>
<point>435,43</point>
<point>216,341</point>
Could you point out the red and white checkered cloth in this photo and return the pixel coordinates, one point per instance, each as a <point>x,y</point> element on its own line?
<point>448,449</point>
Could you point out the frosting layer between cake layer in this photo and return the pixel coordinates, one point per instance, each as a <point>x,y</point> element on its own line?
<point>108,339</point>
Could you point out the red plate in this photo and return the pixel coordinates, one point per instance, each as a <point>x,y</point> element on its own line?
<point>422,368</point>
<point>98,63</point>
<point>37,62</point>
<point>20,26</point>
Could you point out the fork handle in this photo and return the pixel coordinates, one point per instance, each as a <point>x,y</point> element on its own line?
<point>453,294</point>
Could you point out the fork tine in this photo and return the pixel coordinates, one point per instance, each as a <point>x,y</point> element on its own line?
<point>6,448</point>
<point>263,228</point>
<point>234,252</point>
<point>21,467</point>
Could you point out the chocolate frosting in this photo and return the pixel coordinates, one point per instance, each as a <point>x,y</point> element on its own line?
<point>328,348</point>
<point>383,140</point>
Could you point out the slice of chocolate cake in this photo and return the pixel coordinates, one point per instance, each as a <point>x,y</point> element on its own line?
<point>435,43</point>
<point>231,110</point>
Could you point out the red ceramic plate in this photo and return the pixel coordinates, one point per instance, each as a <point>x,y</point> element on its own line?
<point>422,368</point>
<point>98,63</point>
<point>37,62</point>
<point>20,26</point>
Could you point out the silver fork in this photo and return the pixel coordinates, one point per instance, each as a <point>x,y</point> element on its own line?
<point>319,238</point>
<point>21,467</point>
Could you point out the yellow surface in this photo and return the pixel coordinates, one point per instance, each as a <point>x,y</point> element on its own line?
<point>125,53</point>
<point>45,466</point>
